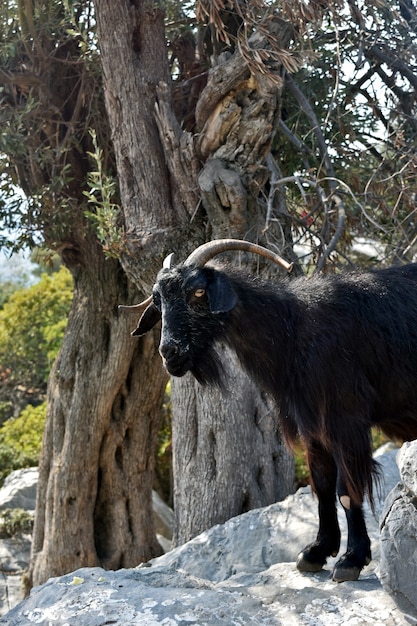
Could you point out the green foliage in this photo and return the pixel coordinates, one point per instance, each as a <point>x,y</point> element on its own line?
<point>106,213</point>
<point>32,325</point>
<point>47,260</point>
<point>378,438</point>
<point>15,521</point>
<point>6,290</point>
<point>45,117</point>
<point>302,473</point>
<point>21,439</point>
<point>163,461</point>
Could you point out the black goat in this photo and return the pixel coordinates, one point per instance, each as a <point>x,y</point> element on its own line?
<point>338,353</point>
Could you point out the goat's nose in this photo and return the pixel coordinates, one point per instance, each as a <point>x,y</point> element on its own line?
<point>168,350</point>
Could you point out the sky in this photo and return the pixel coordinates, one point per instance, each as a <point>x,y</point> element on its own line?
<point>17,269</point>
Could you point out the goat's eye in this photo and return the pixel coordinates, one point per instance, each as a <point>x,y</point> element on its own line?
<point>156,299</point>
<point>199,293</point>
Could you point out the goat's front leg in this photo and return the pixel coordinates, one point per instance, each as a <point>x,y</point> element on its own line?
<point>323,474</point>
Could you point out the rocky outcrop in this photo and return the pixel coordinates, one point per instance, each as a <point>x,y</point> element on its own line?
<point>399,533</point>
<point>19,492</point>
<point>238,573</point>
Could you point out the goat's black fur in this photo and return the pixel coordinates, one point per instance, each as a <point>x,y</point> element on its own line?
<point>338,354</point>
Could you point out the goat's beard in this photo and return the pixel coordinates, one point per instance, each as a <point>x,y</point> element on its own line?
<point>209,370</point>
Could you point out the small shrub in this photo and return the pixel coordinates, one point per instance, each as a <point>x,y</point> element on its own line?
<point>32,324</point>
<point>302,473</point>
<point>163,481</point>
<point>378,438</point>
<point>21,440</point>
<point>15,521</point>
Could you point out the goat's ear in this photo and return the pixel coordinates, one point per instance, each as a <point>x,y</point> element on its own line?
<point>221,295</point>
<point>150,317</point>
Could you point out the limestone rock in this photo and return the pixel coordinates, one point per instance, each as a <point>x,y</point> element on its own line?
<point>153,596</point>
<point>238,573</point>
<point>399,534</point>
<point>163,517</point>
<point>19,490</point>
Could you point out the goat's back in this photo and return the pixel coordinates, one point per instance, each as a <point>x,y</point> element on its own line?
<point>335,349</point>
<point>358,347</point>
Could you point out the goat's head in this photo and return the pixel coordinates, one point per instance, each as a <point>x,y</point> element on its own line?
<point>192,301</point>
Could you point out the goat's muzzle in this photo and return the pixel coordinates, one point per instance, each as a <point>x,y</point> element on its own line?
<point>175,360</point>
<point>169,350</point>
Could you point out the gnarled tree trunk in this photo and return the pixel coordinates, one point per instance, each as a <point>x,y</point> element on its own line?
<point>104,398</point>
<point>135,64</point>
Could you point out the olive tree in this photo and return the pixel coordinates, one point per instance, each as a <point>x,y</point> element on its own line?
<point>96,468</point>
<point>210,181</point>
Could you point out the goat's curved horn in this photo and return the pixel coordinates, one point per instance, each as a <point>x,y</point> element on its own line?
<point>135,307</point>
<point>169,261</point>
<point>207,251</point>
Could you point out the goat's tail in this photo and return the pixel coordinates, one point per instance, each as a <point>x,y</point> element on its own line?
<point>358,476</point>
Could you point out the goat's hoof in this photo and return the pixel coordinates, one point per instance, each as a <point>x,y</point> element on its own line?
<point>305,564</point>
<point>342,574</point>
<point>346,569</point>
<point>314,556</point>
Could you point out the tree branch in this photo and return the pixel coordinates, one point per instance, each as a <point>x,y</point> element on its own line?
<point>179,149</point>
<point>384,55</point>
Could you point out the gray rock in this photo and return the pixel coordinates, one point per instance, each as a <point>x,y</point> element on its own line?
<point>407,463</point>
<point>399,534</point>
<point>11,591</point>
<point>238,573</point>
<point>19,490</point>
<point>163,517</point>
<point>164,596</point>
<point>14,554</point>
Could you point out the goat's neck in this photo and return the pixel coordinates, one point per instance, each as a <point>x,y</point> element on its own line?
<point>262,336</point>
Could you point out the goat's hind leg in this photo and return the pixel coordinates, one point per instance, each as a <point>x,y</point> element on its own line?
<point>358,553</point>
<point>323,473</point>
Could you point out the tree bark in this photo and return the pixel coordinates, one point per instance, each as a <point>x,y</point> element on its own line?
<point>94,493</point>
<point>228,453</point>
<point>134,65</point>
<point>94,504</point>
